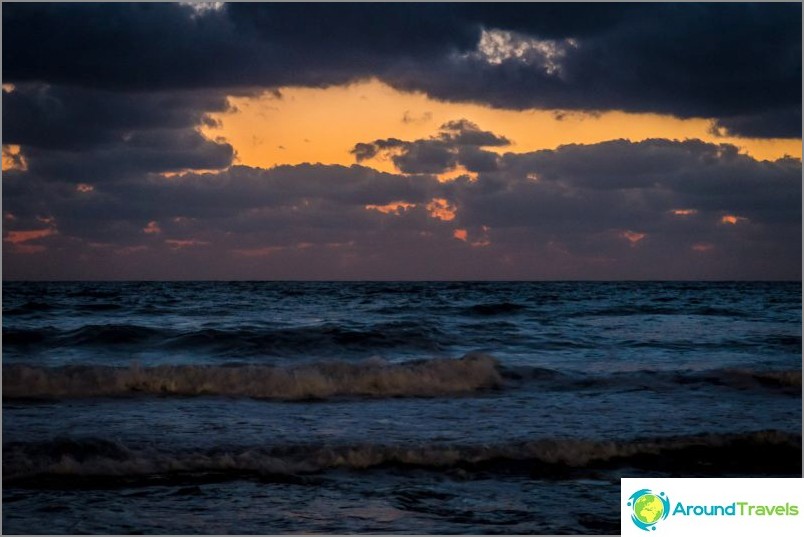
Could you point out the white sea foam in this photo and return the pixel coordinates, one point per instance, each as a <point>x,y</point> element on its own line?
<point>371,378</point>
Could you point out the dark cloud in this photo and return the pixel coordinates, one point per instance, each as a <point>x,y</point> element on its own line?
<point>366,32</point>
<point>475,159</point>
<point>702,60</point>
<point>658,209</point>
<point>85,135</point>
<point>121,46</point>
<point>364,151</point>
<point>464,132</point>
<point>424,156</point>
<point>631,184</point>
<point>458,141</point>
<point>58,117</point>
<point>292,193</point>
<point>738,63</point>
<point>126,46</point>
<point>409,118</point>
<point>172,151</point>
<point>552,20</point>
<point>782,122</point>
<point>105,99</point>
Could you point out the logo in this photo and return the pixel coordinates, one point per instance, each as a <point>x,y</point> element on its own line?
<point>680,506</point>
<point>648,508</point>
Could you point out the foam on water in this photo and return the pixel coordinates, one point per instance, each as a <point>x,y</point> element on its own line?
<point>269,400</point>
<point>373,377</point>
<point>769,451</point>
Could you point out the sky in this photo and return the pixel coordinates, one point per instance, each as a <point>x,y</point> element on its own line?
<point>411,141</point>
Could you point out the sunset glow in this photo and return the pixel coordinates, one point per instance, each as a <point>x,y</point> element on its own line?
<point>395,207</point>
<point>13,158</point>
<point>441,209</point>
<point>152,228</point>
<point>633,237</point>
<point>411,141</point>
<point>286,127</point>
<point>434,268</point>
<point>18,237</point>
<point>702,247</point>
<point>732,219</point>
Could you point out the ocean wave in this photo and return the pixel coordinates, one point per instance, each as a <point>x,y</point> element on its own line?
<point>106,334</point>
<point>784,379</point>
<point>35,308</point>
<point>781,381</point>
<point>94,293</point>
<point>368,378</point>
<point>89,335</point>
<point>497,308</point>
<point>405,335</point>
<point>651,309</point>
<point>98,306</point>
<point>757,453</point>
<point>29,307</point>
<point>242,341</point>
<point>373,377</point>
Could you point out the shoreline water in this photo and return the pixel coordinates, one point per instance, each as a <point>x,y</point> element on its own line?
<point>392,408</point>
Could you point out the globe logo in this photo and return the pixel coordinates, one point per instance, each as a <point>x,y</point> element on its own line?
<point>648,508</point>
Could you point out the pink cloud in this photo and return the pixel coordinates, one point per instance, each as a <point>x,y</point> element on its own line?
<point>186,243</point>
<point>702,247</point>
<point>633,236</point>
<point>18,237</point>
<point>152,228</point>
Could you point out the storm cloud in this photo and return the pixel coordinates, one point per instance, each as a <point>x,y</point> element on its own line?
<point>108,174</point>
<point>459,141</point>
<point>668,209</point>
<point>737,63</point>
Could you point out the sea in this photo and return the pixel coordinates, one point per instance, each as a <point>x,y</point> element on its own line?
<point>385,407</point>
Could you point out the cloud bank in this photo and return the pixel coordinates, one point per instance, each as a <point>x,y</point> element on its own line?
<point>652,209</point>
<point>106,174</point>
<point>737,63</point>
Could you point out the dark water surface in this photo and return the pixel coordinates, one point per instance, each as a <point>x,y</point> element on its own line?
<point>385,407</point>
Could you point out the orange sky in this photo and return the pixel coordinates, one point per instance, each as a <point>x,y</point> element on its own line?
<point>12,159</point>
<point>323,125</point>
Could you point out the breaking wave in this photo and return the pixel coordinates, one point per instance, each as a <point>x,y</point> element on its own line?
<point>372,378</point>
<point>759,453</point>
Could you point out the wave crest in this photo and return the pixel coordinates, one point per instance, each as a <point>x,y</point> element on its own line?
<point>760,452</point>
<point>373,378</point>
